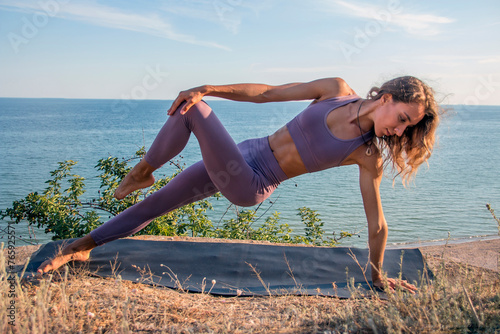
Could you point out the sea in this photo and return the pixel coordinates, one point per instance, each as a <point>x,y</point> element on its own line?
<point>447,200</point>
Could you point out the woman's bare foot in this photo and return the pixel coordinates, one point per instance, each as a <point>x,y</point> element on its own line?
<point>141,176</point>
<point>79,250</point>
<point>58,261</point>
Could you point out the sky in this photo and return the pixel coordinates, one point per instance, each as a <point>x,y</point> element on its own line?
<point>154,49</point>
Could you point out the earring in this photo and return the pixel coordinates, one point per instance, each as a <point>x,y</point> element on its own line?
<point>369,150</point>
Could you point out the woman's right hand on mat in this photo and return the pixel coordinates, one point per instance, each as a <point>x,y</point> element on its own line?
<point>190,96</point>
<point>392,284</point>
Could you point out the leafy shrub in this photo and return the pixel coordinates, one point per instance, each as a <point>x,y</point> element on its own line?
<point>64,214</point>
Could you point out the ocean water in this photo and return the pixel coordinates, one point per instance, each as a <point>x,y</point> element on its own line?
<point>446,199</point>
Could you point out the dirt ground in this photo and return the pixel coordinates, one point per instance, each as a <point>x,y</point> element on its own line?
<point>478,253</point>
<point>94,304</point>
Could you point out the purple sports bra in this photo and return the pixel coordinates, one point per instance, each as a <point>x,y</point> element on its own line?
<point>316,144</point>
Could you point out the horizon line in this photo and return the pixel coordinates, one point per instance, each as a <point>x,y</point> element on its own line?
<point>210,98</point>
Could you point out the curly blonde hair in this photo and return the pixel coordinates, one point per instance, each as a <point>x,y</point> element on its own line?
<point>414,147</point>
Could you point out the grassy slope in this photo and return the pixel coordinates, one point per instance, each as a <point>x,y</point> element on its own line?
<point>461,299</point>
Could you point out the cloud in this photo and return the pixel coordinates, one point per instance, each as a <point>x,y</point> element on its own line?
<point>490,60</point>
<point>110,17</point>
<point>446,60</point>
<point>217,12</point>
<point>392,15</point>
<point>313,69</point>
<point>227,13</point>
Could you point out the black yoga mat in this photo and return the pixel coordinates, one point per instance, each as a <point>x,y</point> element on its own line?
<point>245,269</point>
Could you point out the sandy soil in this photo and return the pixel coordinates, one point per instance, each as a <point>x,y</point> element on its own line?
<point>478,253</point>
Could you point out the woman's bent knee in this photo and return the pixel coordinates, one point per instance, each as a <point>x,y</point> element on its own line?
<point>199,108</point>
<point>245,199</point>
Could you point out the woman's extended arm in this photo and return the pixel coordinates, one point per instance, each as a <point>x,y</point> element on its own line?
<point>369,181</point>
<point>260,93</point>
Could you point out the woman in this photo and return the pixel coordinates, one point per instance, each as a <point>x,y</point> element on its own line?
<point>394,125</point>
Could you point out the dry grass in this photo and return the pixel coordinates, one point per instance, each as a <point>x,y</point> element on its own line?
<point>461,299</point>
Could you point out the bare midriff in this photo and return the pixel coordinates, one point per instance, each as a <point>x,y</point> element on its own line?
<point>286,153</point>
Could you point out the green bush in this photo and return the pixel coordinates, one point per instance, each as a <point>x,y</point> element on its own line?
<point>64,214</point>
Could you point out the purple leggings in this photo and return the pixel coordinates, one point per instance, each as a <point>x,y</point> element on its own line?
<point>246,174</point>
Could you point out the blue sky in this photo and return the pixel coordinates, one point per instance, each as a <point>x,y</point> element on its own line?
<point>153,49</point>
